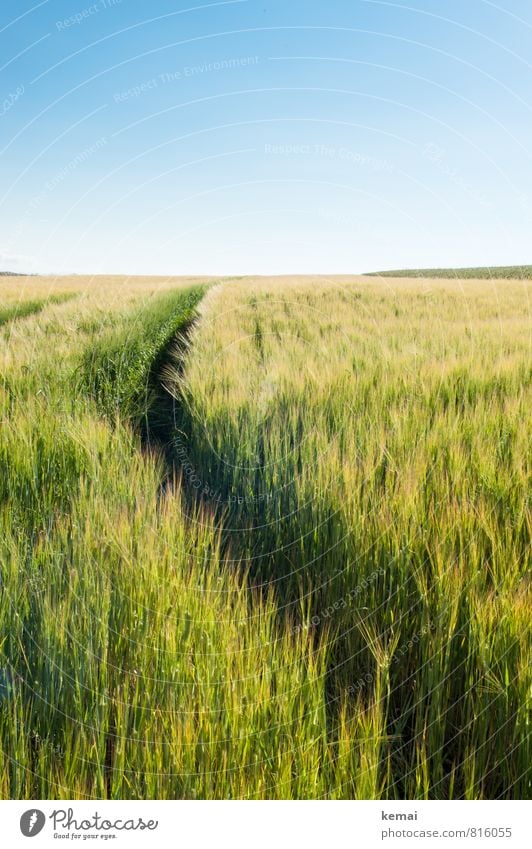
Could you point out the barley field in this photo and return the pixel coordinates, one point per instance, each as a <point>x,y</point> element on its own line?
<point>265,538</point>
<point>486,272</point>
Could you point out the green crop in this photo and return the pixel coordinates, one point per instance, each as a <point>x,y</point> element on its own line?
<point>314,583</point>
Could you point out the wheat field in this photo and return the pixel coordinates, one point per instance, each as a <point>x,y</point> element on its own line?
<point>265,538</point>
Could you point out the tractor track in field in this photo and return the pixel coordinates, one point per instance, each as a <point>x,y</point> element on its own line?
<point>165,417</point>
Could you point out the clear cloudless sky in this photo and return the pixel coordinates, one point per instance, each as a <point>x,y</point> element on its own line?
<point>264,136</point>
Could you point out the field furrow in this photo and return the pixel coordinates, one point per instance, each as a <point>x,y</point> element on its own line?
<point>13,311</point>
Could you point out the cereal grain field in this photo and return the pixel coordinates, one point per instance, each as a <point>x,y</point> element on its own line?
<point>265,538</point>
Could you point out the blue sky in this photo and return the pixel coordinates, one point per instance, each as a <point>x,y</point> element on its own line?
<point>264,136</point>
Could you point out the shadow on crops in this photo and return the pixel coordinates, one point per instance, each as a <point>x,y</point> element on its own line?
<point>163,415</point>
<point>327,575</point>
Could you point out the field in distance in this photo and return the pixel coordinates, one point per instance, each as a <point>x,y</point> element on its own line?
<point>498,272</point>
<point>264,538</point>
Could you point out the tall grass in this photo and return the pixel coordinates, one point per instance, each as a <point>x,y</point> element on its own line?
<point>120,368</point>
<point>130,664</point>
<point>11,311</point>
<point>333,604</point>
<point>367,448</point>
